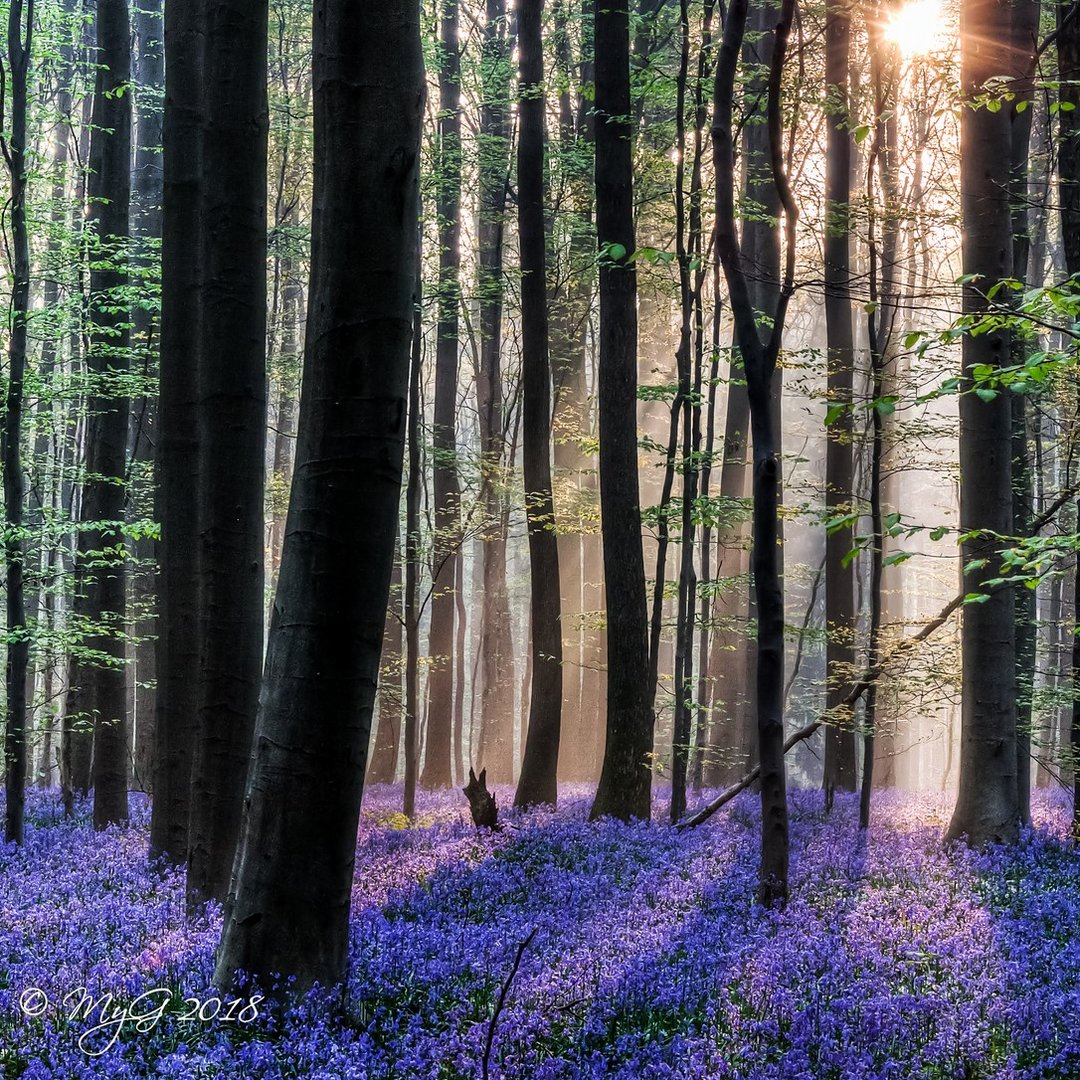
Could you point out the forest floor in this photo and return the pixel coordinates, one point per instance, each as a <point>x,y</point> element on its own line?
<point>645,957</point>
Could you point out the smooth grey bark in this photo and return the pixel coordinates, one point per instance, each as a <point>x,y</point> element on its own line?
<point>303,798</point>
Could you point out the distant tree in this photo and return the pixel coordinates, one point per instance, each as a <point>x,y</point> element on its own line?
<point>538,782</point>
<point>626,776</point>
<point>307,774</point>
<point>839,771</point>
<point>438,752</point>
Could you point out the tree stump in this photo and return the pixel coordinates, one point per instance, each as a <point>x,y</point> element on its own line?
<point>481,802</point>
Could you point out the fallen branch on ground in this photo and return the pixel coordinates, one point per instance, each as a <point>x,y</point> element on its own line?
<point>862,684</point>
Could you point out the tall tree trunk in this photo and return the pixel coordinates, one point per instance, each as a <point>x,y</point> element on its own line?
<point>759,358</point>
<point>570,302</point>
<point>538,782</point>
<point>20,41</point>
<point>103,600</point>
<point>231,425</point>
<point>496,745</point>
<point>626,776</point>
<point>839,479</point>
<point>1022,58</point>
<point>447,493</point>
<point>176,459</point>
<point>986,807</point>
<point>1068,46</point>
<point>413,493</point>
<point>146,196</point>
<point>307,774</point>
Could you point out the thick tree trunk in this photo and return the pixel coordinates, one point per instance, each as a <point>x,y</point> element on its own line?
<point>20,40</point>
<point>231,425</point>
<point>986,808</point>
<point>306,781</point>
<point>539,765</point>
<point>839,479</point>
<point>438,756</point>
<point>626,776</point>
<point>103,600</point>
<point>176,459</point>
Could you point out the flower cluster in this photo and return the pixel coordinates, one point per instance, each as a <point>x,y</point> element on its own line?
<point>642,954</point>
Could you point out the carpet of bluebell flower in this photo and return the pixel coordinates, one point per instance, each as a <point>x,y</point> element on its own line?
<point>897,956</point>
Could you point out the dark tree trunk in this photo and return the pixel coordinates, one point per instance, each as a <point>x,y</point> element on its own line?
<point>20,40</point>
<point>306,781</point>
<point>103,600</point>
<point>146,197</point>
<point>413,493</point>
<point>986,808</point>
<point>539,764</point>
<point>759,359</point>
<point>231,426</point>
<point>496,745</point>
<point>1068,46</point>
<point>626,776</point>
<point>1023,42</point>
<point>438,755</point>
<point>839,578</point>
<point>176,458</point>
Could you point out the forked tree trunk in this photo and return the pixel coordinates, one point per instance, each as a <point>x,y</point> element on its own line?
<point>759,358</point>
<point>626,776</point>
<point>307,774</point>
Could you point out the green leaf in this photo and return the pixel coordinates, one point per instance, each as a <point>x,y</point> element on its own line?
<point>986,393</point>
